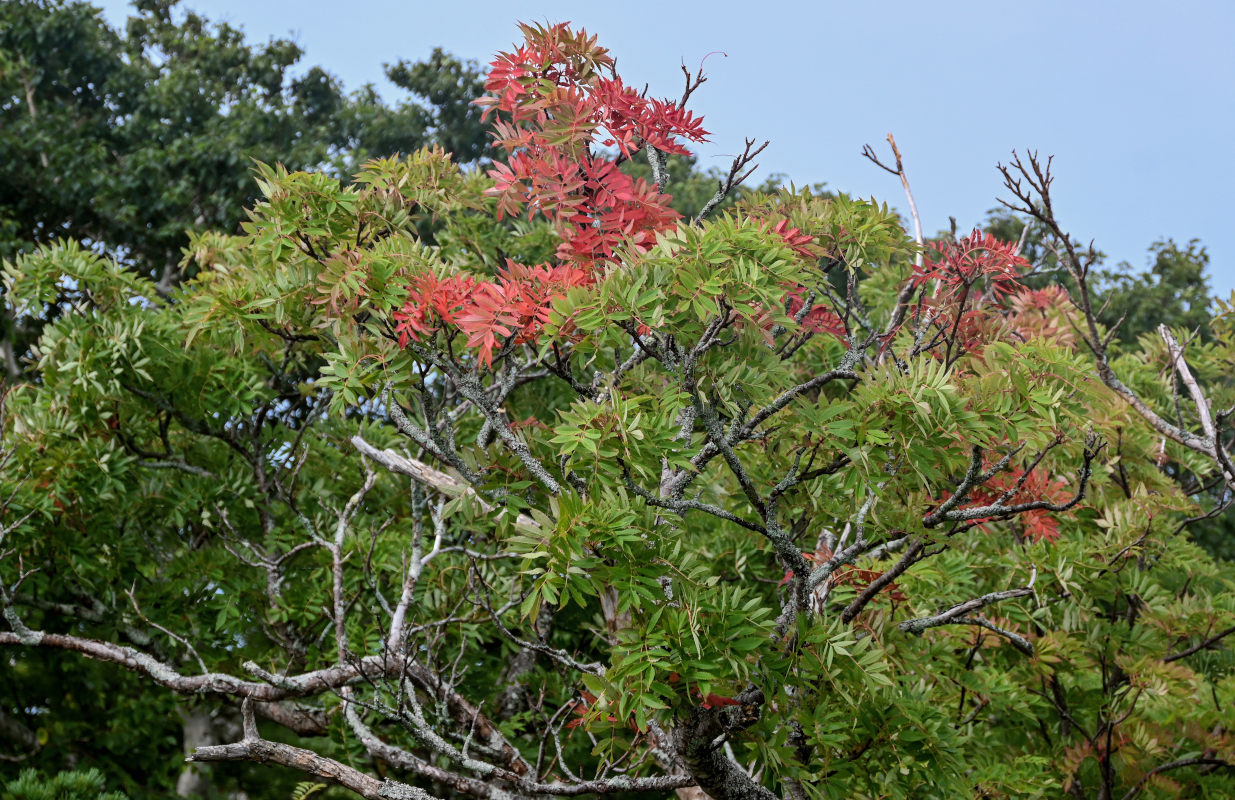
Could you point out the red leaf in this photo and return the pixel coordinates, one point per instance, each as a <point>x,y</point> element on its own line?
<point>717,701</point>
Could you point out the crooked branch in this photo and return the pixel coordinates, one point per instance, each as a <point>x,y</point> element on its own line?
<point>434,479</point>
<point>960,615</point>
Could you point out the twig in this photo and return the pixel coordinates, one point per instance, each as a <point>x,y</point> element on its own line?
<point>902,298</point>
<point>735,177</point>
<point>263,751</point>
<point>1199,646</point>
<point>960,615</point>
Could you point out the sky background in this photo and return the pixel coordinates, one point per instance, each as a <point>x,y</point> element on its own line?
<point>1135,99</point>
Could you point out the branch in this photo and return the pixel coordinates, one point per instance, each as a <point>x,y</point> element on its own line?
<point>470,388</point>
<point>697,737</point>
<point>999,509</point>
<point>434,479</point>
<point>402,759</point>
<point>1183,762</point>
<point>859,546</point>
<point>656,160</point>
<point>425,440</point>
<point>1199,646</point>
<point>1038,179</point>
<point>561,656</point>
<point>274,687</point>
<point>735,177</point>
<point>912,556</point>
<point>711,424</point>
<point>339,605</point>
<point>1203,412</point>
<point>973,477</point>
<point>1018,641</point>
<point>902,298</point>
<point>959,615</point>
<point>682,506</point>
<point>263,751</point>
<point>845,372</point>
<point>917,626</point>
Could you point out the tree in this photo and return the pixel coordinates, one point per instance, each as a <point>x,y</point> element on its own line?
<point>1175,291</point>
<point>623,502</point>
<point>126,140</point>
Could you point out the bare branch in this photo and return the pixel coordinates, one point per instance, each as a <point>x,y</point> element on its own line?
<point>913,555</point>
<point>434,479</point>
<point>735,177</point>
<point>272,688</point>
<point>960,615</point>
<point>1027,180</point>
<point>1203,412</point>
<point>906,292</point>
<point>1199,646</point>
<point>262,751</point>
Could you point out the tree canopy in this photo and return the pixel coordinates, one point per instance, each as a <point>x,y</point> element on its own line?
<point>522,483</point>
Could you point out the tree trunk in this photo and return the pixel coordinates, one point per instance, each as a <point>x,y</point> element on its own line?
<point>198,731</point>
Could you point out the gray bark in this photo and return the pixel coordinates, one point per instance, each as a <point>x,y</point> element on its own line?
<point>198,731</point>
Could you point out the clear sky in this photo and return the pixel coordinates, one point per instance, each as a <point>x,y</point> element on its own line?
<point>1135,99</point>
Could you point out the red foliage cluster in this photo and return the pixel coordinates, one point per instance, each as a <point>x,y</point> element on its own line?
<point>799,242</point>
<point>1040,524</point>
<point>516,304</point>
<point>960,265</point>
<point>971,276</point>
<point>556,102</point>
<point>557,96</point>
<point>432,301</point>
<point>583,706</point>
<point>820,318</point>
<point>1042,312</point>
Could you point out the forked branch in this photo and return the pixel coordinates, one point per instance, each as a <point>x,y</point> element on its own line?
<point>738,172</point>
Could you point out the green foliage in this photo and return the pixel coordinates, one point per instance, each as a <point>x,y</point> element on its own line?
<point>84,785</point>
<point>307,789</point>
<point>183,442</point>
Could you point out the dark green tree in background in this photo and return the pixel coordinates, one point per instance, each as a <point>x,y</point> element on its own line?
<point>1174,291</point>
<point>127,139</point>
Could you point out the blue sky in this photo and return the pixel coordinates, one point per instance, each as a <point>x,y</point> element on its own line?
<point>1135,99</point>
